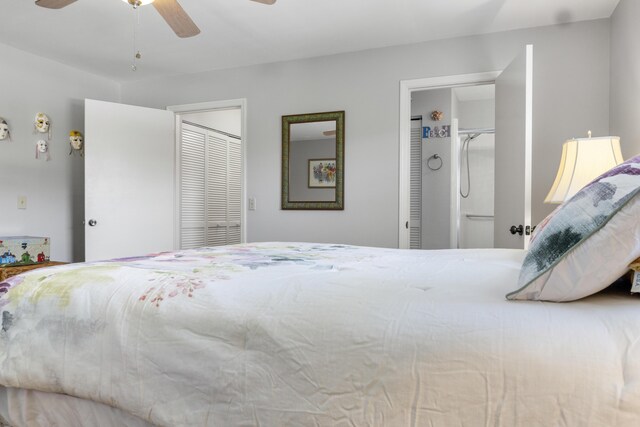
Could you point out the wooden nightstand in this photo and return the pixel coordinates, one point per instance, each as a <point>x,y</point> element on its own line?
<point>6,272</point>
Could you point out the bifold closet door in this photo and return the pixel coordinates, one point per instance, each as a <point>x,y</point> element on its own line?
<point>224,189</point>
<point>217,184</point>
<point>192,187</point>
<point>234,195</point>
<point>211,188</point>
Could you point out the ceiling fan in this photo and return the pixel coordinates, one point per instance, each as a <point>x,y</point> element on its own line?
<point>170,10</point>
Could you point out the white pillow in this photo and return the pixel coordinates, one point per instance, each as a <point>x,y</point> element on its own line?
<point>588,243</point>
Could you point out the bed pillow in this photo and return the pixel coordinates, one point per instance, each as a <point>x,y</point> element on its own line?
<point>588,243</point>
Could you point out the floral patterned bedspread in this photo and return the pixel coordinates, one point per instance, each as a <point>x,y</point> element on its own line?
<point>277,334</point>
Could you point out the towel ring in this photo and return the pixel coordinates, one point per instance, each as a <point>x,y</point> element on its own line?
<point>434,157</point>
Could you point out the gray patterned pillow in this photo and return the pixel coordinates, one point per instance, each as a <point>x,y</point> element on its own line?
<point>586,244</point>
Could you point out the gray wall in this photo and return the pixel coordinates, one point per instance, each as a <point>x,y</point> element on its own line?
<point>477,114</point>
<point>55,189</point>
<point>625,76</point>
<point>436,185</point>
<point>300,152</point>
<point>572,89</point>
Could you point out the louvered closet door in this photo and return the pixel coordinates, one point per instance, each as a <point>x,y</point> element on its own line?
<point>234,194</point>
<point>192,187</point>
<point>216,191</point>
<point>415,233</point>
<point>211,188</point>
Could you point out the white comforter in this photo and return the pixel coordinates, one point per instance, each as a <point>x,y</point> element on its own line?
<point>280,334</point>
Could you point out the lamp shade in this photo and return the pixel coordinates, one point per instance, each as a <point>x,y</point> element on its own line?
<point>583,160</point>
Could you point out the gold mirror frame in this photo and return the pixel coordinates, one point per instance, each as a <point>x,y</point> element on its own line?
<point>287,121</point>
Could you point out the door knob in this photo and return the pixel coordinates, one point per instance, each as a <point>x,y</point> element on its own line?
<point>92,222</point>
<point>513,230</point>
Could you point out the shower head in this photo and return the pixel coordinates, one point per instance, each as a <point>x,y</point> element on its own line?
<point>471,137</point>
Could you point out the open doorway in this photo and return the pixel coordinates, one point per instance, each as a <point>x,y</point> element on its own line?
<point>210,170</point>
<point>513,152</point>
<point>452,167</point>
<point>408,213</point>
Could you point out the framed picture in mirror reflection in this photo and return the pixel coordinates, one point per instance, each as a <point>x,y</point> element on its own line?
<point>322,173</point>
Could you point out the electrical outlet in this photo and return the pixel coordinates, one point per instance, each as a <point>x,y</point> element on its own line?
<point>252,203</point>
<point>22,202</point>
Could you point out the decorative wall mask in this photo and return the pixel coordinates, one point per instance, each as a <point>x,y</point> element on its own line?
<point>42,124</point>
<point>4,130</point>
<point>76,140</point>
<point>42,148</point>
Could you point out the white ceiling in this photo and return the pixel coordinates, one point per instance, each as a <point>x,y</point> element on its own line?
<point>96,35</point>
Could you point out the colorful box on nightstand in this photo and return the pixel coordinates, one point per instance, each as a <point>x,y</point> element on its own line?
<point>23,250</point>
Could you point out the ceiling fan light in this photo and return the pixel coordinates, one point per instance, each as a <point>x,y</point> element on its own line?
<point>138,2</point>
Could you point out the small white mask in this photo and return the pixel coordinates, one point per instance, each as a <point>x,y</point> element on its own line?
<point>42,147</point>
<point>4,130</point>
<point>42,123</point>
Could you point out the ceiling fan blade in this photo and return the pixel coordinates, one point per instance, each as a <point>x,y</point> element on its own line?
<point>176,17</point>
<point>265,1</point>
<point>54,4</point>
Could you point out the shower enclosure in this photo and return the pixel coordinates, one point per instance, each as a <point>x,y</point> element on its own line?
<point>473,214</point>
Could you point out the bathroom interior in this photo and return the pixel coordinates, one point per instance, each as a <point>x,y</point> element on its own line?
<point>452,167</point>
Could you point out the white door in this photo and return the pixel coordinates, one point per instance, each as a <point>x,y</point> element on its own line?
<point>513,145</point>
<point>129,180</point>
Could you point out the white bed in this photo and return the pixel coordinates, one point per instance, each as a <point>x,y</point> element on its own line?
<point>278,334</point>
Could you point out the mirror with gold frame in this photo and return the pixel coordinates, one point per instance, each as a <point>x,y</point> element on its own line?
<point>313,161</point>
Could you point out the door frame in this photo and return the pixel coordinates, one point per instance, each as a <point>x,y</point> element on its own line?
<point>406,88</point>
<point>204,107</point>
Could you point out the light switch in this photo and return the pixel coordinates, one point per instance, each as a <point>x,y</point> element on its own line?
<point>252,203</point>
<point>22,202</point>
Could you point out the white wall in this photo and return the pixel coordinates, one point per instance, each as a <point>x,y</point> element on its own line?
<point>571,93</point>
<point>55,189</point>
<point>229,121</point>
<point>625,76</point>
<point>436,184</point>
